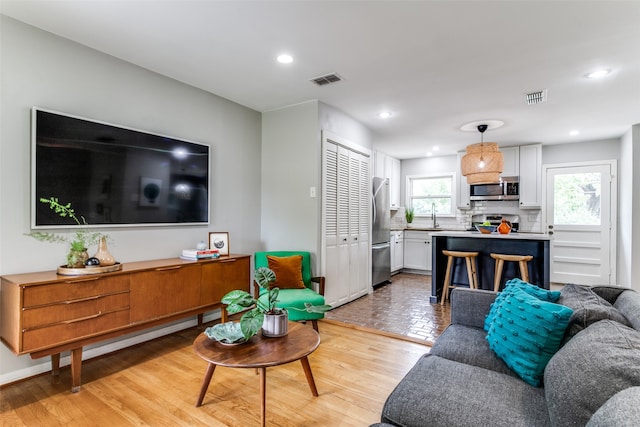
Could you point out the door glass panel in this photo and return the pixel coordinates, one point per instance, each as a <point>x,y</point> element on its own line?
<point>577,199</point>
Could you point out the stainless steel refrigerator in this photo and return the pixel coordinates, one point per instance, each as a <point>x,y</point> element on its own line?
<point>380,233</point>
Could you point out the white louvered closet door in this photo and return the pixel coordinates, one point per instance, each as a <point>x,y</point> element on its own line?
<point>345,260</point>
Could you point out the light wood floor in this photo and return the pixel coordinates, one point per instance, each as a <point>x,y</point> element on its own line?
<point>157,383</point>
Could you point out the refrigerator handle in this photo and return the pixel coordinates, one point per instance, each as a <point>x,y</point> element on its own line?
<point>373,198</point>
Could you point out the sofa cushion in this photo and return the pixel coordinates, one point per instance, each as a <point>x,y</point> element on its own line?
<point>466,344</point>
<point>588,307</point>
<point>628,303</point>
<point>621,410</point>
<point>541,294</point>
<point>440,392</point>
<point>526,332</point>
<point>595,364</point>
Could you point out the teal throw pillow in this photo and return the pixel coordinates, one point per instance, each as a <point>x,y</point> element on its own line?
<point>526,332</point>
<point>541,294</point>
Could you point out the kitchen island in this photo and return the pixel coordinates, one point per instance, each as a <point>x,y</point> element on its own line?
<point>536,244</point>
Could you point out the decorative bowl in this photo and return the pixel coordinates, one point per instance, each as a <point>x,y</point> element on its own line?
<point>486,229</point>
<point>228,333</point>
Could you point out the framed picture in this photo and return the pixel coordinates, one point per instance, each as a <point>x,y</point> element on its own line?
<point>219,241</point>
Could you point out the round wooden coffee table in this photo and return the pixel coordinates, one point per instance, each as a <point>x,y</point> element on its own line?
<point>259,353</point>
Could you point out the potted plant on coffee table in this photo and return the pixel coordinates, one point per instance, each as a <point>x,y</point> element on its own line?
<point>262,312</point>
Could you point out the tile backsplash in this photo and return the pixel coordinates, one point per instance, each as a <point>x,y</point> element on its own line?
<point>530,219</point>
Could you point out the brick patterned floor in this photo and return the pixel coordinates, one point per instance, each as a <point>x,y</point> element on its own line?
<point>401,307</point>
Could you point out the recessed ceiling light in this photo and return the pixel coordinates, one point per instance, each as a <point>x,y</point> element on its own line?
<point>429,154</point>
<point>598,74</point>
<point>285,59</point>
<point>436,148</point>
<point>385,114</point>
<point>574,132</point>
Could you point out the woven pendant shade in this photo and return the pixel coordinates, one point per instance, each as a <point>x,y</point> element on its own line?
<point>493,163</point>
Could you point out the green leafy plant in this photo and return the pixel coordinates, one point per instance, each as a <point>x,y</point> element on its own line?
<point>82,238</point>
<point>408,214</point>
<point>251,321</point>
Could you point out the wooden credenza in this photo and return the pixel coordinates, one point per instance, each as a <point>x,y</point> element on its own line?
<point>44,314</point>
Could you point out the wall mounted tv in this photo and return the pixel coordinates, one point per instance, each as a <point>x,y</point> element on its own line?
<point>115,176</point>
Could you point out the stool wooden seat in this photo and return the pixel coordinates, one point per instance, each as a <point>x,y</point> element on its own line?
<point>470,260</point>
<point>522,261</point>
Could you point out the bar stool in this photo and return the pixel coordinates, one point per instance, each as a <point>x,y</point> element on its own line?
<point>522,261</point>
<point>470,259</point>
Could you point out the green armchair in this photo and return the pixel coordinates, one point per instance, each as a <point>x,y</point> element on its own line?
<point>296,297</point>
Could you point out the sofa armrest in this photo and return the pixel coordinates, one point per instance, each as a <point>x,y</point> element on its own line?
<point>470,306</point>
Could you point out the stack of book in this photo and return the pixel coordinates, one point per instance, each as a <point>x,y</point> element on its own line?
<point>195,254</point>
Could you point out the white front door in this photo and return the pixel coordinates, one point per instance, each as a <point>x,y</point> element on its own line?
<point>580,212</point>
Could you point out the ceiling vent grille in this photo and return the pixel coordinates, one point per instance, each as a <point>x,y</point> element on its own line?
<point>537,97</point>
<point>327,79</point>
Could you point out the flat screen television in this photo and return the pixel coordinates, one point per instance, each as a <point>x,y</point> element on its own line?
<point>115,176</point>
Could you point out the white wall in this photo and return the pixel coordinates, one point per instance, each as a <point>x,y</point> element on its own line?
<point>291,164</point>
<point>39,68</point>
<point>606,149</point>
<point>628,235</point>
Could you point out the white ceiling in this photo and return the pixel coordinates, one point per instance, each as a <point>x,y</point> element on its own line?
<point>435,64</point>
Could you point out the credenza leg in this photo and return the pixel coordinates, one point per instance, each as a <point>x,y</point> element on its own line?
<point>55,368</point>
<point>200,320</point>
<point>76,369</point>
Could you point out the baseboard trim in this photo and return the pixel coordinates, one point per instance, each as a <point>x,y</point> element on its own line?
<point>100,350</point>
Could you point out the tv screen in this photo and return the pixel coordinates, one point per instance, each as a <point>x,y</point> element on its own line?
<point>115,176</point>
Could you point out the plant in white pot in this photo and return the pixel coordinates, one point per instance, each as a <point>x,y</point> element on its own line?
<point>263,312</point>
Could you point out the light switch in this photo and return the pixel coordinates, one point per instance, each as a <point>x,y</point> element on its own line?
<point>312,191</point>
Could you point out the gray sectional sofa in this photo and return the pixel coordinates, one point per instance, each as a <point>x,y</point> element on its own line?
<point>592,379</point>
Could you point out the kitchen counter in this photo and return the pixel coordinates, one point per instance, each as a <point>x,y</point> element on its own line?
<point>477,234</point>
<point>536,244</point>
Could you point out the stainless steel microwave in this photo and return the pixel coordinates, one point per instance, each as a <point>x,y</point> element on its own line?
<point>507,189</point>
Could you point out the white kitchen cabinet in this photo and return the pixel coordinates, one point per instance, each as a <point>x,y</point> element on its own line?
<point>397,251</point>
<point>531,176</point>
<point>389,167</point>
<point>462,187</point>
<point>379,164</point>
<point>511,156</point>
<point>394,184</point>
<point>417,250</point>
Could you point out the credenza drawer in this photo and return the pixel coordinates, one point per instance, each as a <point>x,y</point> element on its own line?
<point>56,334</point>
<point>72,310</point>
<point>74,289</point>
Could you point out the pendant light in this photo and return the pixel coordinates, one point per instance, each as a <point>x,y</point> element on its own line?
<point>483,162</point>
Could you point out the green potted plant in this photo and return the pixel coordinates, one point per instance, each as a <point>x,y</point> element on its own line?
<point>81,240</point>
<point>408,215</point>
<point>261,311</point>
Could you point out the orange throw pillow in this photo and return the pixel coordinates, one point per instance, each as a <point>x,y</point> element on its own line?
<point>288,271</point>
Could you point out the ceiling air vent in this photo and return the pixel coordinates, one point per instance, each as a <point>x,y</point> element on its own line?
<point>327,79</point>
<point>536,97</point>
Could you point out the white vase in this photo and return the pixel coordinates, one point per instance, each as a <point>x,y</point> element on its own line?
<point>275,325</point>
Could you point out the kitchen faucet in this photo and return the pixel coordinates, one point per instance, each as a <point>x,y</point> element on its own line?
<point>433,215</point>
